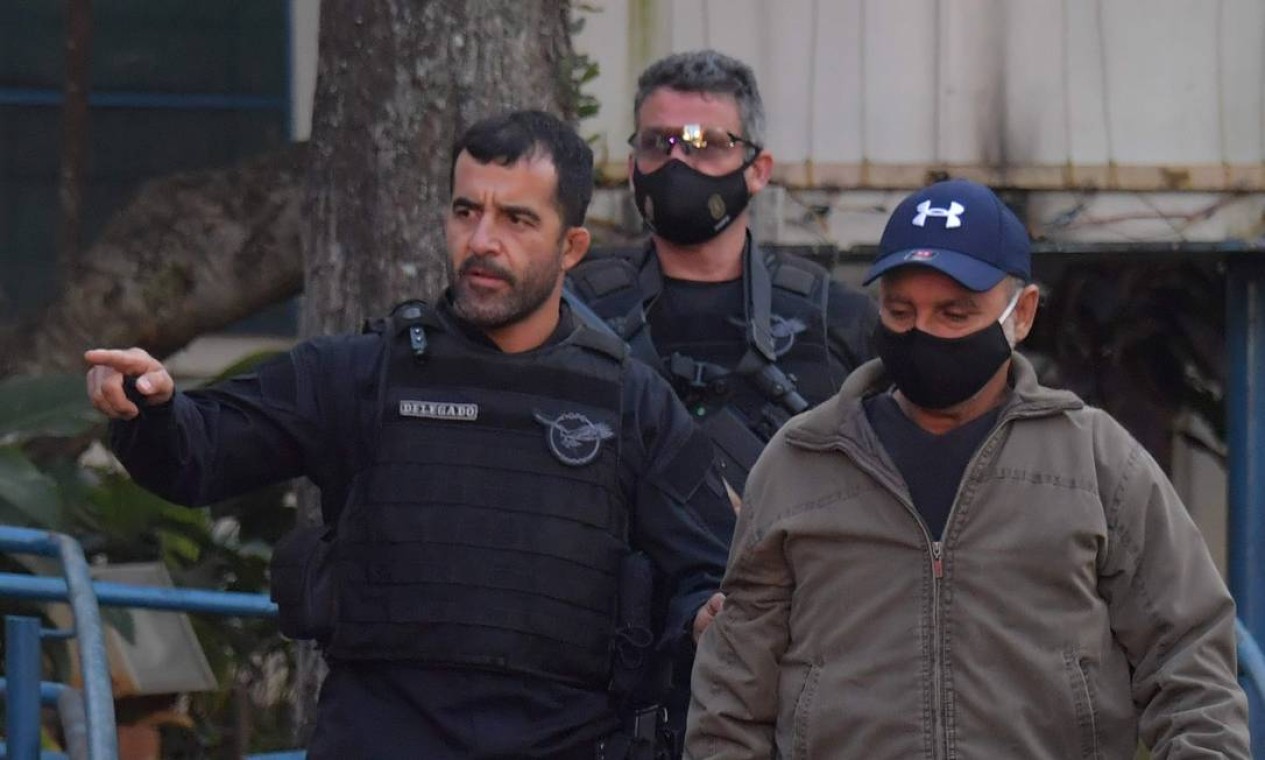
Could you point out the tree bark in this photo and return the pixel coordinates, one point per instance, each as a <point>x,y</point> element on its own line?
<point>398,81</point>
<point>74,158</point>
<point>191,253</point>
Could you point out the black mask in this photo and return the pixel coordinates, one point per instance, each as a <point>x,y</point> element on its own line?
<point>686,206</point>
<point>937,373</point>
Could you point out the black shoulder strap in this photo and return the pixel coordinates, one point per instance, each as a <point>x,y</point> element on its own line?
<point>633,326</point>
<point>759,363</point>
<point>609,271</point>
<point>601,341</point>
<point>759,302</point>
<point>799,276</point>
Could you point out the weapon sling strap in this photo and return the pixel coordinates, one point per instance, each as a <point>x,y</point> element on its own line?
<point>759,363</point>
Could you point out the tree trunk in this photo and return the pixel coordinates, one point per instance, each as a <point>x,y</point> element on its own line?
<point>191,253</point>
<point>74,150</point>
<point>398,81</point>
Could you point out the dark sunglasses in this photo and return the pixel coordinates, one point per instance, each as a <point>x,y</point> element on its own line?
<point>694,139</point>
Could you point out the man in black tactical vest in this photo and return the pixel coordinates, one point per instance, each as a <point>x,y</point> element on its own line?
<point>502,485</point>
<point>747,337</point>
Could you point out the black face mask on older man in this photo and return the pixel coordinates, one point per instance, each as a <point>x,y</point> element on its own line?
<point>938,373</point>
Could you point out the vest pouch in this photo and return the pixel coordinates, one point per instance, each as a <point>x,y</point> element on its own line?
<point>303,583</point>
<point>633,645</point>
<point>737,446</point>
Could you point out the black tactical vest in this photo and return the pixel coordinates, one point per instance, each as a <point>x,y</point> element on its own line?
<point>621,286</point>
<point>488,529</point>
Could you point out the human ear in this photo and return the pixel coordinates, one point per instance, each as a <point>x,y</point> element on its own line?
<point>1025,311</point>
<point>759,172</point>
<point>575,244</point>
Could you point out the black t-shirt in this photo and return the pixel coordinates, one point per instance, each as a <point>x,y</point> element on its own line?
<point>700,319</point>
<point>932,465</point>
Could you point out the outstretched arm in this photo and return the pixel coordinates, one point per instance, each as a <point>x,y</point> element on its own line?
<point>294,415</point>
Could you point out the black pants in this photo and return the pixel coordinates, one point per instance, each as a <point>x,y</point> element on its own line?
<point>382,711</point>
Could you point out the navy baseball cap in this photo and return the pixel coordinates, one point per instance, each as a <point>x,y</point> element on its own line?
<point>960,228</point>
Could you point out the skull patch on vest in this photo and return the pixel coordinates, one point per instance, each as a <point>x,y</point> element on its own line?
<point>573,438</point>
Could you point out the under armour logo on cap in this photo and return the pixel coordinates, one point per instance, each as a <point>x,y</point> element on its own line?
<point>977,249</point>
<point>952,214</point>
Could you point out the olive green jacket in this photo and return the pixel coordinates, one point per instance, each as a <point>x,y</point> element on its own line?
<point>1071,608</point>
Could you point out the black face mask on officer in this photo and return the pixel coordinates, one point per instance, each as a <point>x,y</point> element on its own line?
<point>937,373</point>
<point>686,206</point>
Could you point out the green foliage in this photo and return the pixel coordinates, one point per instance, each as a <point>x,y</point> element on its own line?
<point>28,497</point>
<point>43,406</point>
<point>55,476</point>
<point>578,70</point>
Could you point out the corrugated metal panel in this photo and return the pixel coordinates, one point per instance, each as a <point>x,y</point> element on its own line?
<point>1044,94</point>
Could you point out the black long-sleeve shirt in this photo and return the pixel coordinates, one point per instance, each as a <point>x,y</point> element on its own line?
<point>312,414</point>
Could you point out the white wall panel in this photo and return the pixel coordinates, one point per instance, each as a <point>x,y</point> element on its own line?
<point>1242,94</point>
<point>790,36</point>
<point>970,117</point>
<point>1035,83</point>
<point>836,113</point>
<point>900,83</point>
<point>1129,94</point>
<point>1162,80</point>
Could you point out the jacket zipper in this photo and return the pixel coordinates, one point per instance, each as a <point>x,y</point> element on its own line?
<point>937,645</point>
<point>937,574</point>
<point>936,551</point>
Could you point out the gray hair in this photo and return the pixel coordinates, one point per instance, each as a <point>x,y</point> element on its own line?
<point>707,71</point>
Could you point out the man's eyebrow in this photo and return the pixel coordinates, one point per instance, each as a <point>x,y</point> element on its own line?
<point>463,202</point>
<point>525,211</point>
<point>961,302</point>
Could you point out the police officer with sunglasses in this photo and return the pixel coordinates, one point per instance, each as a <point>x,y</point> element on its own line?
<point>747,337</point>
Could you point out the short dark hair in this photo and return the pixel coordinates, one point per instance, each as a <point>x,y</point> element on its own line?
<point>509,137</point>
<point>712,73</point>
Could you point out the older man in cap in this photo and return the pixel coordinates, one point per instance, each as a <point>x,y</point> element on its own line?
<point>949,560</point>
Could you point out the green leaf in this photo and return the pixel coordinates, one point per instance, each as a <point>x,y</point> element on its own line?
<point>54,405</point>
<point>28,490</point>
<point>126,509</point>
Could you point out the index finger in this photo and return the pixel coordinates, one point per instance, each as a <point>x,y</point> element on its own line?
<point>132,361</point>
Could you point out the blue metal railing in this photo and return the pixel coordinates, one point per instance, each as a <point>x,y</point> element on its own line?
<point>69,704</point>
<point>22,660</point>
<point>23,689</point>
<point>1245,441</point>
<point>41,588</point>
